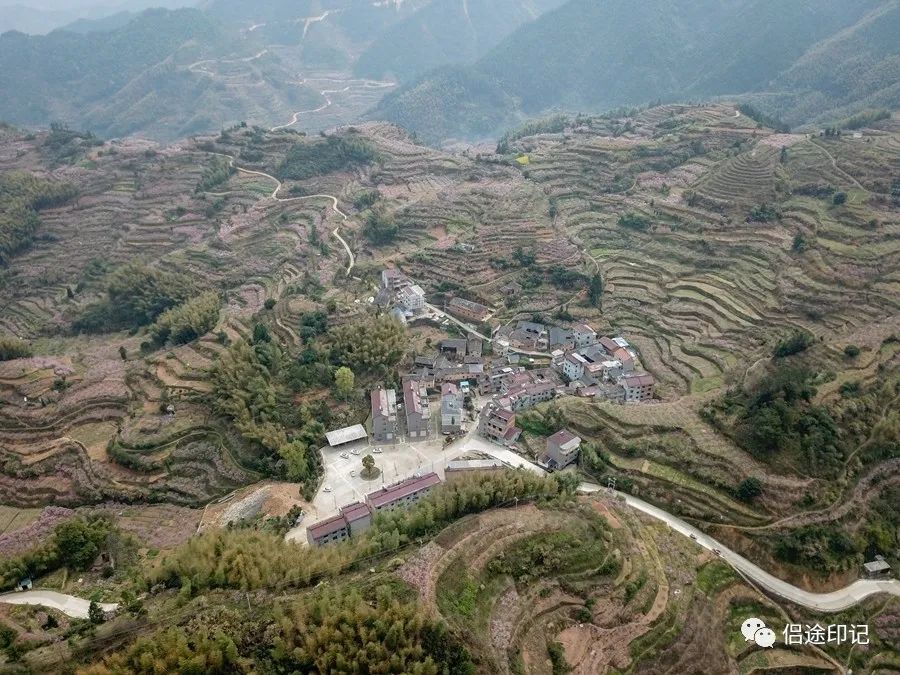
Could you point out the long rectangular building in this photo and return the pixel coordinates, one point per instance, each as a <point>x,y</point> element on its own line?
<point>402,494</point>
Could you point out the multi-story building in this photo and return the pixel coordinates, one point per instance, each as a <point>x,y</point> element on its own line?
<point>384,415</point>
<point>466,309</point>
<point>418,412</point>
<point>393,280</point>
<point>583,335</point>
<point>351,521</point>
<point>402,494</point>
<point>451,408</point>
<point>562,449</point>
<point>498,424</point>
<point>573,366</point>
<point>638,387</point>
<point>524,396</point>
<point>411,298</point>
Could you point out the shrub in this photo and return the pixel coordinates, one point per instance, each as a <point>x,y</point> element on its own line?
<point>798,342</point>
<point>851,351</point>
<point>839,198</point>
<point>13,348</point>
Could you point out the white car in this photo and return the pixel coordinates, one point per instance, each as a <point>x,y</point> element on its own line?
<point>352,474</point>
<point>327,488</point>
<point>355,451</point>
<point>376,451</point>
<point>344,455</point>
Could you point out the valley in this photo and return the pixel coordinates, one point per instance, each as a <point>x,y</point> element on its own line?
<point>176,319</point>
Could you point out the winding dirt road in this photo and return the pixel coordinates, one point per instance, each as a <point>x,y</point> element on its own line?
<point>278,185</point>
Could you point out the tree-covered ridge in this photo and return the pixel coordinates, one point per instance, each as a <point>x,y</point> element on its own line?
<point>136,294</point>
<point>321,157</point>
<point>189,320</point>
<point>22,195</point>
<point>378,630</point>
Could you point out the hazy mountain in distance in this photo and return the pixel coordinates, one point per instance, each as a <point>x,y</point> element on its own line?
<point>591,54</point>
<point>38,17</point>
<point>446,32</point>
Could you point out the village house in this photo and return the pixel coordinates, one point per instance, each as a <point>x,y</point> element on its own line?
<point>638,387</point>
<point>418,411</point>
<point>456,348</point>
<point>583,335</point>
<point>393,280</point>
<point>466,309</point>
<point>498,424</point>
<point>525,396</point>
<point>560,338</point>
<point>411,298</point>
<point>573,366</point>
<point>384,415</point>
<point>562,449</point>
<point>451,408</point>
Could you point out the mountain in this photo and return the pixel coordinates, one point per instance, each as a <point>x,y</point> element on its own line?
<point>597,55</point>
<point>446,32</point>
<point>149,76</point>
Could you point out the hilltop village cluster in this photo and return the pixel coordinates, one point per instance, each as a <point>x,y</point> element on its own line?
<point>520,366</point>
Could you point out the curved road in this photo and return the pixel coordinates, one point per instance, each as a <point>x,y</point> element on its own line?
<point>69,605</point>
<point>835,601</point>
<point>274,195</point>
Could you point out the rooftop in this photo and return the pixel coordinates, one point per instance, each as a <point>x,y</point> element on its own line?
<point>345,435</point>
<point>355,511</point>
<point>384,402</point>
<point>328,526</point>
<point>392,493</point>
<point>565,439</point>
<point>641,380</point>
<point>474,464</point>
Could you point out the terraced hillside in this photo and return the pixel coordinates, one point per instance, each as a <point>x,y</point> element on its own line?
<point>715,239</point>
<point>593,589</point>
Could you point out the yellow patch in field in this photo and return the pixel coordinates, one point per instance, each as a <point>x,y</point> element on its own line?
<point>522,159</point>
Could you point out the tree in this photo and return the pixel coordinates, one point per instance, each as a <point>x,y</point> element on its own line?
<point>295,459</point>
<point>95,613</point>
<point>851,351</point>
<point>595,290</point>
<point>269,303</point>
<point>344,381</point>
<point>749,489</point>
<point>368,463</point>
<point>839,198</point>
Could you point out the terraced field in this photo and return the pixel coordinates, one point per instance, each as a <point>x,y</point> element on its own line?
<point>607,591</point>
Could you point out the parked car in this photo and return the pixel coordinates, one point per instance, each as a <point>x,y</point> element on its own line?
<point>344,455</point>
<point>376,451</point>
<point>693,536</point>
<point>327,488</point>
<point>717,551</point>
<point>355,451</point>
<point>352,474</point>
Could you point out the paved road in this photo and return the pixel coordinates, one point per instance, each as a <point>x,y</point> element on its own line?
<point>823,602</point>
<point>69,605</point>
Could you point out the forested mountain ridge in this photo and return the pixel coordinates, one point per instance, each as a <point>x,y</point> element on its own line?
<point>446,32</point>
<point>600,55</point>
